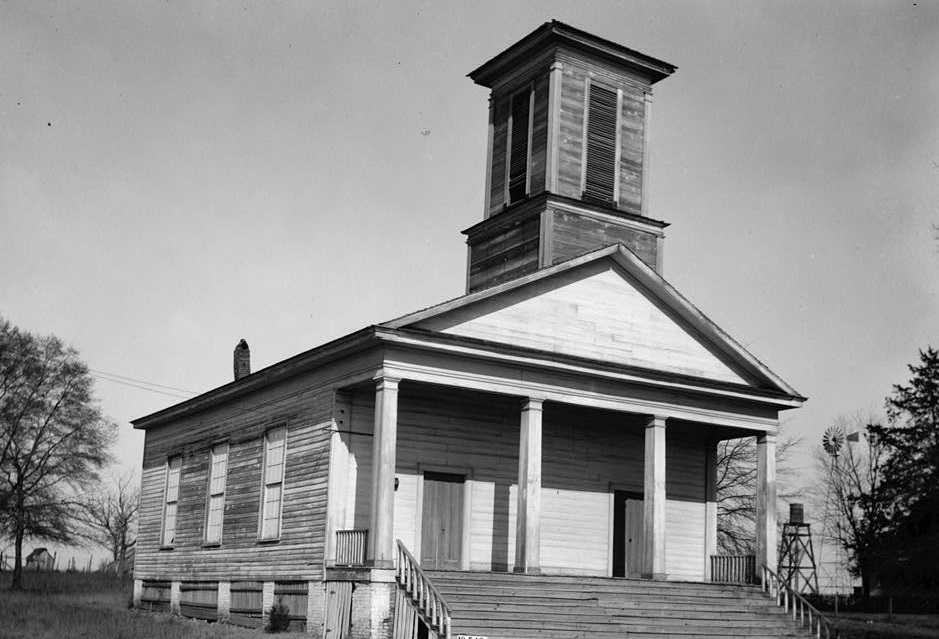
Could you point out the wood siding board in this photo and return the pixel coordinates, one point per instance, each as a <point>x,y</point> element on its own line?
<point>632,126</point>
<point>507,254</point>
<point>684,540</point>
<point>596,312</point>
<point>305,407</point>
<point>574,235</point>
<point>586,454</point>
<point>570,145</point>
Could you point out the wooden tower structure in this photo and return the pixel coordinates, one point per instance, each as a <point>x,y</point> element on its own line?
<point>797,558</point>
<point>568,154</point>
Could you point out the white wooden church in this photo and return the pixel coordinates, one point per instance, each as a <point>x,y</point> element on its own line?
<point>535,458</point>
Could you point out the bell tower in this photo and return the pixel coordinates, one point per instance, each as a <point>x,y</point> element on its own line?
<point>567,156</point>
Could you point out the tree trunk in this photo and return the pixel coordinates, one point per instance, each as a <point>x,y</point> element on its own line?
<point>865,571</point>
<point>17,583</point>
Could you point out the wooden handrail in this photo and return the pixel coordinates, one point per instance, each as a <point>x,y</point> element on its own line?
<point>795,603</point>
<point>422,593</point>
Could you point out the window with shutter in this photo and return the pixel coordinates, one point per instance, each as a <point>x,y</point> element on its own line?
<point>215,508</point>
<point>170,501</point>
<point>520,128</point>
<point>275,445</point>
<point>600,166</point>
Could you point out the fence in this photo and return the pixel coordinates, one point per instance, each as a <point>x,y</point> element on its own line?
<point>733,569</point>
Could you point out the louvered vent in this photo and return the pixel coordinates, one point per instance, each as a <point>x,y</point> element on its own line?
<point>518,158</point>
<point>600,175</point>
<point>499,141</point>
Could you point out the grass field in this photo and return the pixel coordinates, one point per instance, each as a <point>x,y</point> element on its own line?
<point>92,606</point>
<point>857,625</point>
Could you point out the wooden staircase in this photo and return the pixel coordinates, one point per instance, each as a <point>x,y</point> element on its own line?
<point>507,606</point>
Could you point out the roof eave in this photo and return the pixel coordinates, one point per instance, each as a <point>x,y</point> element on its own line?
<point>430,340</point>
<point>556,32</point>
<point>296,365</point>
<point>648,278</point>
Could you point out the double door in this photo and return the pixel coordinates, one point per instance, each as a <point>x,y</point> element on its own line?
<point>442,521</point>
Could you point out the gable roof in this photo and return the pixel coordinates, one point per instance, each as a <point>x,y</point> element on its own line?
<point>37,553</point>
<point>606,305</point>
<point>437,323</point>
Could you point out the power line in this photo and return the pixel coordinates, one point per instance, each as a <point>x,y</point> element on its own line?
<point>140,381</point>
<point>142,385</point>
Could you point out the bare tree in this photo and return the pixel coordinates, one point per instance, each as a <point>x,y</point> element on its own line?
<point>851,495</point>
<point>53,439</point>
<point>111,517</point>
<point>736,490</point>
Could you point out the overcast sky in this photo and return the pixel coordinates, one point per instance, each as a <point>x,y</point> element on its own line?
<point>177,176</point>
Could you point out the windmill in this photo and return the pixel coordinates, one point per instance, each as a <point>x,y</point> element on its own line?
<point>833,441</point>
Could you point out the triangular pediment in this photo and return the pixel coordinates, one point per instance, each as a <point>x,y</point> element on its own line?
<point>606,307</point>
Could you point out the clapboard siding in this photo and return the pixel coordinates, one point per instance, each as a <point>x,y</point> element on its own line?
<point>686,477</point>
<point>573,234</point>
<point>304,404</point>
<point>596,312</point>
<point>576,71</point>
<point>632,134</point>
<point>507,254</point>
<point>571,138</point>
<point>684,539</point>
<point>586,455</point>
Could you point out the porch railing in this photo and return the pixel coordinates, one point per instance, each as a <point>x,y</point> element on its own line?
<point>733,569</point>
<point>795,604</point>
<point>350,547</point>
<point>422,594</point>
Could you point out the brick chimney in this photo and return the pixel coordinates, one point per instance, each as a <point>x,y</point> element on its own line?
<point>242,360</point>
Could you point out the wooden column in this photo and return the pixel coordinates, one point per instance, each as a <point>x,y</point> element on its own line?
<point>710,513</point>
<point>337,497</point>
<point>381,524</point>
<point>654,499</point>
<point>528,520</point>
<point>766,502</point>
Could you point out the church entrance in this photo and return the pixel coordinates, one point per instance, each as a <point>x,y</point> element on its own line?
<point>442,521</point>
<point>628,533</point>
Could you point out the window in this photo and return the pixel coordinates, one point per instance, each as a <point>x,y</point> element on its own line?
<point>272,490</point>
<point>600,162</point>
<point>215,508</point>
<point>171,499</point>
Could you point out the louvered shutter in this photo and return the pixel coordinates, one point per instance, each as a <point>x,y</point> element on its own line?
<point>518,153</point>
<point>600,170</point>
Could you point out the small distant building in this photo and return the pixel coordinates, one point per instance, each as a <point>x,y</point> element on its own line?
<point>39,559</point>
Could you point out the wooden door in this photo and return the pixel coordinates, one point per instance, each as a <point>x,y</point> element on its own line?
<point>628,534</point>
<point>442,521</point>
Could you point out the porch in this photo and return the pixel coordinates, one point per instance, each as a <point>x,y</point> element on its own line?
<point>604,493</point>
